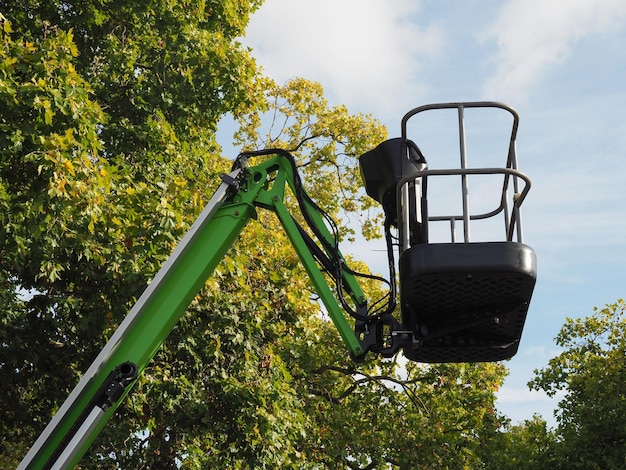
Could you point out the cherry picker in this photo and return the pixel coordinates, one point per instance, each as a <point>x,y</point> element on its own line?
<point>459,301</point>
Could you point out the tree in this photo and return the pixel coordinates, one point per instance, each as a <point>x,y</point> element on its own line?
<point>48,155</point>
<point>528,445</point>
<point>591,371</point>
<point>108,154</point>
<point>326,141</point>
<point>97,183</point>
<point>176,64</point>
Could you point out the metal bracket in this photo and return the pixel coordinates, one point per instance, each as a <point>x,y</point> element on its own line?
<point>383,335</point>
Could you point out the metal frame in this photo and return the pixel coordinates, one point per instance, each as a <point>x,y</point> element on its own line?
<point>512,216</point>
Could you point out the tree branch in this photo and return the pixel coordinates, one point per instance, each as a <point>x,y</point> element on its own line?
<point>366,378</point>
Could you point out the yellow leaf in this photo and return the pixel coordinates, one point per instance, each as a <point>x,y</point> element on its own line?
<point>7,26</point>
<point>69,166</point>
<point>61,185</point>
<point>47,116</point>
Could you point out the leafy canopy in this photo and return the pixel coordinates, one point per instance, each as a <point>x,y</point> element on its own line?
<point>591,371</point>
<point>108,154</point>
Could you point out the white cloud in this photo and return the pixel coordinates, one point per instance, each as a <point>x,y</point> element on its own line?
<point>364,51</point>
<point>534,35</point>
<point>519,404</point>
<point>507,395</point>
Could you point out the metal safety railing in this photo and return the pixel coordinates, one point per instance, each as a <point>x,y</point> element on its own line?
<point>515,185</point>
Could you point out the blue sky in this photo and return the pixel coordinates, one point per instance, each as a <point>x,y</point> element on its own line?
<point>560,63</point>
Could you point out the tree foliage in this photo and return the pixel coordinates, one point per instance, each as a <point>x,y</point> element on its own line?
<point>174,63</point>
<point>326,141</point>
<point>591,371</point>
<point>97,182</point>
<point>529,445</point>
<point>52,185</point>
<point>108,154</point>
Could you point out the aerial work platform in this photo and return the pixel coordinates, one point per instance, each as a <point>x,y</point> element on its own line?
<point>462,300</point>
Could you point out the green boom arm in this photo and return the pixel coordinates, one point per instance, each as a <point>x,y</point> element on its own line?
<point>100,391</point>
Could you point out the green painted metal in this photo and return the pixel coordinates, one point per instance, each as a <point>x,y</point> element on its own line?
<point>178,282</point>
<point>273,199</point>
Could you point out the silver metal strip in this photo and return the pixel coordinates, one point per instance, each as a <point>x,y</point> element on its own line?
<point>464,187</point>
<point>77,440</point>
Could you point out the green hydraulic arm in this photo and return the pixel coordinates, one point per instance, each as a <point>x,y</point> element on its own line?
<point>112,374</point>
